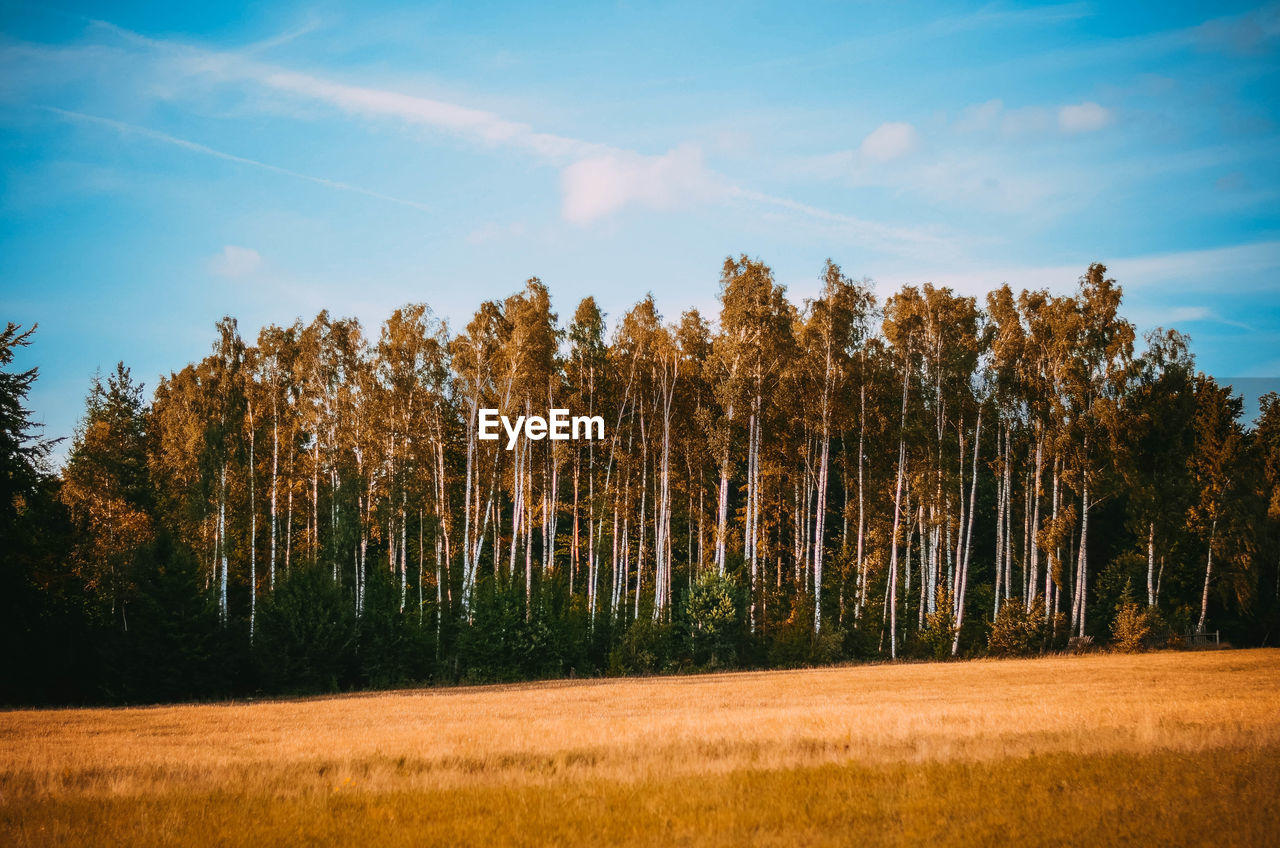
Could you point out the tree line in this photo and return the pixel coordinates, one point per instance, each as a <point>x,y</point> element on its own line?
<point>846,478</point>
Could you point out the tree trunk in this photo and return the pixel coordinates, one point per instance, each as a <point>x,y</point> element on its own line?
<point>253,536</point>
<point>897,520</point>
<point>1082,572</point>
<point>1054,563</point>
<point>222,544</point>
<point>275,465</point>
<point>862,432</point>
<point>1208,575</point>
<point>1002,497</point>
<point>722,510</point>
<point>819,529</point>
<point>1033,574</point>
<point>1151,564</point>
<point>968,539</point>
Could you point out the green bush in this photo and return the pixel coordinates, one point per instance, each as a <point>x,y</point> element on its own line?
<point>394,648</point>
<point>487,647</point>
<point>643,649</point>
<point>794,643</point>
<point>306,634</point>
<point>939,627</point>
<point>715,620</point>
<point>173,647</point>
<point>507,638</point>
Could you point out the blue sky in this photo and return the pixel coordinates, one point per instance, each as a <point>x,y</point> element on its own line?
<point>161,166</point>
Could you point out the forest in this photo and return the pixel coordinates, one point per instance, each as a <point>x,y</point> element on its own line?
<point>854,477</point>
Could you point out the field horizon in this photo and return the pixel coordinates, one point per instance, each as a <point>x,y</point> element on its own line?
<point>605,678</point>
<point>1046,750</point>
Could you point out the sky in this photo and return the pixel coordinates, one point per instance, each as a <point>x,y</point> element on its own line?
<point>163,165</point>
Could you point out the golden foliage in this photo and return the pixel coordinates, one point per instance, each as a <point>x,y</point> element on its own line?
<point>1132,627</point>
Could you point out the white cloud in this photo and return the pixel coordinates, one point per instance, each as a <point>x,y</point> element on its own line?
<point>890,141</point>
<point>596,187</point>
<point>980,116</point>
<point>235,262</point>
<point>1028,119</point>
<point>1083,117</point>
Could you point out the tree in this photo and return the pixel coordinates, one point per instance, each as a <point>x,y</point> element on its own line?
<point>49,654</point>
<point>754,341</point>
<point>1096,378</point>
<point>903,328</point>
<point>831,336</point>
<point>1215,466</point>
<point>1155,443</point>
<point>585,382</point>
<point>1267,445</point>
<point>107,489</point>
<point>22,451</point>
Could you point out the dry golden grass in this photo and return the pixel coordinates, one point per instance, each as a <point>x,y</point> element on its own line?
<point>1171,748</point>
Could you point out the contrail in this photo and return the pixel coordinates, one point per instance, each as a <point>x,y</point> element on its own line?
<point>194,147</point>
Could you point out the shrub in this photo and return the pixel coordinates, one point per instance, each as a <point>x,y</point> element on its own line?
<point>1132,625</point>
<point>508,639</point>
<point>1017,632</point>
<point>643,648</point>
<point>174,647</point>
<point>794,643</point>
<point>394,648</point>
<point>939,630</point>
<point>715,619</point>
<point>306,635</point>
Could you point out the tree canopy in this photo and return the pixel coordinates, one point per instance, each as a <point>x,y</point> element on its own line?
<point>923,474</point>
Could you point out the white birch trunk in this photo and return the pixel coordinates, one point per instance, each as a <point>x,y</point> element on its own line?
<point>1151,564</point>
<point>1208,575</point>
<point>967,548</point>
<point>222,544</point>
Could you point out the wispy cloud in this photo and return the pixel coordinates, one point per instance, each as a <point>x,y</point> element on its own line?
<point>991,17</point>
<point>204,150</point>
<point>1251,32</point>
<point>597,180</point>
<point>850,225</point>
<point>1250,267</point>
<point>306,28</point>
<point>1182,316</point>
<point>476,124</point>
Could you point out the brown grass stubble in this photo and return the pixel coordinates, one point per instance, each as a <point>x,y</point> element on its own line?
<point>1036,747</point>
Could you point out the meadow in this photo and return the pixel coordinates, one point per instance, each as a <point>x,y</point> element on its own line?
<point>1165,748</point>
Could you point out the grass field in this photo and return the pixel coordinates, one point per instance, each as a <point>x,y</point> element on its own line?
<point>1168,748</point>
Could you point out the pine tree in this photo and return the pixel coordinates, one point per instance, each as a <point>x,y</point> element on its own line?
<point>107,489</point>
